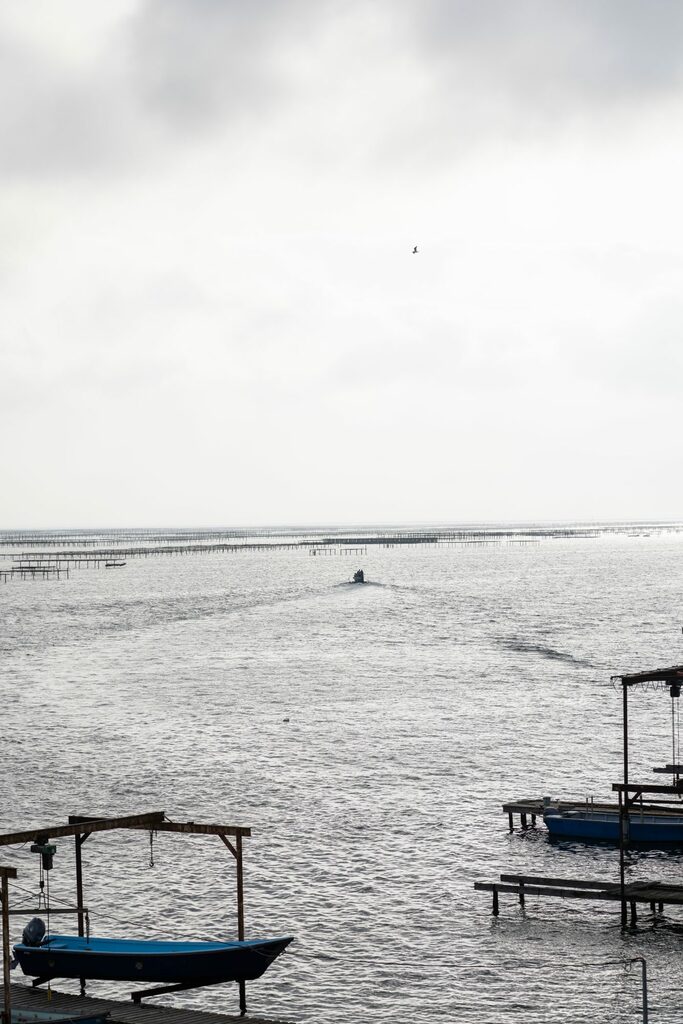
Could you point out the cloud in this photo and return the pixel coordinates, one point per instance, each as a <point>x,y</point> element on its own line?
<point>192,63</point>
<point>552,54</point>
<point>330,81</point>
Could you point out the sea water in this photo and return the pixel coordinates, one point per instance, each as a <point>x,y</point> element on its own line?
<point>368,735</point>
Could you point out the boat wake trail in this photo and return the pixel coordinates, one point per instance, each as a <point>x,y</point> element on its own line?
<point>530,647</point>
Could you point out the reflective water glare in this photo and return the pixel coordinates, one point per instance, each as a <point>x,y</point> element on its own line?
<point>368,735</point>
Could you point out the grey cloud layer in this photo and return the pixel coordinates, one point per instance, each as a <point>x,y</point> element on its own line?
<point>179,68</point>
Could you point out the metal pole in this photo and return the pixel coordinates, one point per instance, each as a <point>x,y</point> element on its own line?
<point>641,960</point>
<point>7,998</point>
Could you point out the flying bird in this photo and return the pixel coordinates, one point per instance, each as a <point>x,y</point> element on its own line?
<point>414,250</point>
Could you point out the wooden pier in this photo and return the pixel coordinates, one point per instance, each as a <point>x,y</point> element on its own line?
<point>29,570</point>
<point>26,998</point>
<point>655,894</point>
<point>531,809</point>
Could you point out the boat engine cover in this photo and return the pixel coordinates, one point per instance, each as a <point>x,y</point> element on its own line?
<point>34,932</point>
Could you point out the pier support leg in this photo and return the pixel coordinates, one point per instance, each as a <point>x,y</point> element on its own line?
<point>521,895</point>
<point>495,903</point>
<point>660,907</point>
<point>522,818</point>
<point>511,823</point>
<point>533,821</point>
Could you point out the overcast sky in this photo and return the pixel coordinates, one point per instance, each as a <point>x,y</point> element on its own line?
<point>210,308</point>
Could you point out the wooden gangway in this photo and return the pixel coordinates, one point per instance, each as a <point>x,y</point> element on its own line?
<point>26,998</point>
<point>655,894</point>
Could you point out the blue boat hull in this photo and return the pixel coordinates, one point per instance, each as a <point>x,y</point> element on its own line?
<point>604,829</point>
<point>66,956</point>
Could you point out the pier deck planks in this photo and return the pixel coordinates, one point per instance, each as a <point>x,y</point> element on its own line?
<point>26,998</point>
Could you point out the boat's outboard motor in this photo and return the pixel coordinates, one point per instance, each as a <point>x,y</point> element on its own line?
<point>34,932</point>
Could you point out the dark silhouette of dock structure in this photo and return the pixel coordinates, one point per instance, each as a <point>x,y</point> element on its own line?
<point>631,799</point>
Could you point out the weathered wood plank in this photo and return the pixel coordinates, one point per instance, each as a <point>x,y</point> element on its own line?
<point>152,818</point>
<point>572,883</point>
<point>27,998</point>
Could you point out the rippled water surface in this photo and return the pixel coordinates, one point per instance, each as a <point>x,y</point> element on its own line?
<point>368,736</point>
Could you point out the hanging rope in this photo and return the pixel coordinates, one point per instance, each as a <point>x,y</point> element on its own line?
<point>151,848</point>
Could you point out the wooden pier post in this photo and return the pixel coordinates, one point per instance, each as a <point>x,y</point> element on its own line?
<point>80,839</point>
<point>623,809</point>
<point>5,874</point>
<point>240,917</point>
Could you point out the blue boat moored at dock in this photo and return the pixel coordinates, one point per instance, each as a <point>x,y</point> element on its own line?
<point>604,826</point>
<point>178,963</point>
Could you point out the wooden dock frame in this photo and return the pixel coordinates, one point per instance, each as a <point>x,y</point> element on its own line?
<point>82,826</point>
<point>654,893</point>
<point>670,678</point>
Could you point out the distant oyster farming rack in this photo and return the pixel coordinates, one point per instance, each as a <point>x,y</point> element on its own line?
<point>45,554</point>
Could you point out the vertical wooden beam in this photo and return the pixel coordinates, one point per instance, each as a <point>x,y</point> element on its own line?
<point>236,851</point>
<point>6,873</point>
<point>79,840</point>
<point>623,809</point>
<point>7,999</point>
<point>240,916</point>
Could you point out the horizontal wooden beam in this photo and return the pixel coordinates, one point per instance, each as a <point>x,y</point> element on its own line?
<point>673,674</point>
<point>654,894</point>
<point>193,828</point>
<point>153,819</point>
<point>18,911</point>
<point>571,883</point>
<point>620,787</point>
<point>540,890</point>
<point>186,827</point>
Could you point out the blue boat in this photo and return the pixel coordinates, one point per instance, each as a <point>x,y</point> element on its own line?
<point>601,825</point>
<point>187,963</point>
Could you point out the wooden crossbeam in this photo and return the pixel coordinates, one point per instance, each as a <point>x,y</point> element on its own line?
<point>638,788</point>
<point>153,819</point>
<point>193,828</point>
<point>572,883</point>
<point>654,893</point>
<point>659,675</point>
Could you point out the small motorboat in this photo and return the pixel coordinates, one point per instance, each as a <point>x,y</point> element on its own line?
<point>73,956</point>
<point>113,565</point>
<point>603,825</point>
